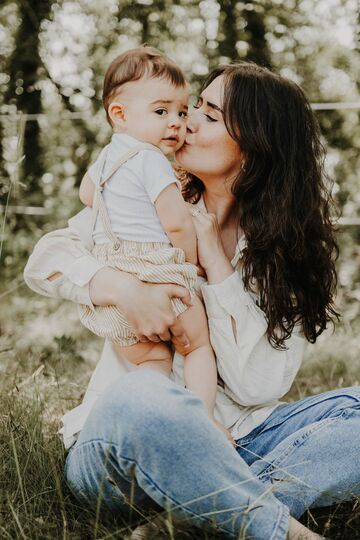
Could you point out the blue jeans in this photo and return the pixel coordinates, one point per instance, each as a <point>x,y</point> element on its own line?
<point>149,443</point>
<point>309,450</point>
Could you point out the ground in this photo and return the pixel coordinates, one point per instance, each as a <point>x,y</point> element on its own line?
<point>46,358</point>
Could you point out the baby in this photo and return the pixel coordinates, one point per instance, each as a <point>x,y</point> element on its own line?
<point>141,223</point>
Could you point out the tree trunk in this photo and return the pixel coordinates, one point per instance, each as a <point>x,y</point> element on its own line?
<point>253,33</point>
<point>24,90</point>
<point>258,51</point>
<point>228,30</point>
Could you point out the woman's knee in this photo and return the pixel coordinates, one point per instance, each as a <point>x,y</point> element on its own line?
<point>346,397</point>
<point>144,398</point>
<point>336,402</point>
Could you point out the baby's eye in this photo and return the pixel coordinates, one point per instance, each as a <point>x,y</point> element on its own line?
<point>183,114</point>
<point>161,112</point>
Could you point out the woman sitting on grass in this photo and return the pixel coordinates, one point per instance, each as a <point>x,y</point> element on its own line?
<point>266,244</point>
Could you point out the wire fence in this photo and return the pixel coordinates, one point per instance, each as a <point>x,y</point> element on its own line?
<point>325,106</point>
<point>23,118</point>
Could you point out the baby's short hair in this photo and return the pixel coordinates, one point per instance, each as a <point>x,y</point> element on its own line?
<point>132,65</point>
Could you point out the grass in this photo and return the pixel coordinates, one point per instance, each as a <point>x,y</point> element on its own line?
<point>45,361</point>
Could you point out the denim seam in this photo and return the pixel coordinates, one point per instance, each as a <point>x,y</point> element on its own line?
<point>282,524</point>
<point>179,505</point>
<point>296,444</point>
<point>309,403</point>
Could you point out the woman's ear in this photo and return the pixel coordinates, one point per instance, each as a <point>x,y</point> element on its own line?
<point>116,112</point>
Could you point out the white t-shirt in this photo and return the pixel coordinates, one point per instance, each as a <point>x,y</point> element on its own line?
<point>131,192</point>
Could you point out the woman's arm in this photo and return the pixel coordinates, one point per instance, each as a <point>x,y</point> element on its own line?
<point>253,371</point>
<point>62,266</point>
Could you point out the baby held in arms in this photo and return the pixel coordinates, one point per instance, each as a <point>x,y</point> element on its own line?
<point>141,223</point>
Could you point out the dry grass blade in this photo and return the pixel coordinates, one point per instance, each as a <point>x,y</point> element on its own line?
<point>17,521</point>
<point>18,471</point>
<point>28,379</point>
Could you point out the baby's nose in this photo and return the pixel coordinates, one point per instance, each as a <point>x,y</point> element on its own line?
<point>174,121</point>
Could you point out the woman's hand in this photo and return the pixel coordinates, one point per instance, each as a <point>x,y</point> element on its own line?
<point>146,306</point>
<point>211,254</point>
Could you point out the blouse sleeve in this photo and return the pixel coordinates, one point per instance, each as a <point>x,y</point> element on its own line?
<point>65,253</point>
<point>254,373</point>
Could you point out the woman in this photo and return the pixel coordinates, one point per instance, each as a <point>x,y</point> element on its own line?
<point>266,245</point>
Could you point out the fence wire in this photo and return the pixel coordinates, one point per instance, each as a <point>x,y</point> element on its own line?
<point>41,211</point>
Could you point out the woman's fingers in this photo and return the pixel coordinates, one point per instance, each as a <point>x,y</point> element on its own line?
<point>154,338</point>
<point>175,328</point>
<point>151,314</point>
<point>179,334</point>
<point>143,339</point>
<point>165,336</point>
<point>176,291</point>
<point>175,331</point>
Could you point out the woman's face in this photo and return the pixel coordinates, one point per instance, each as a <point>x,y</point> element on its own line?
<point>209,152</point>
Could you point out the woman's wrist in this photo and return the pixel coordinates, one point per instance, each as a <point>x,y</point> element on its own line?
<point>110,286</point>
<point>219,270</point>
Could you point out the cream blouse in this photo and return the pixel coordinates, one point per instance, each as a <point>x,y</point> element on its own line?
<point>255,375</point>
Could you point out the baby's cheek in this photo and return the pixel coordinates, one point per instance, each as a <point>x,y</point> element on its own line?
<point>179,145</point>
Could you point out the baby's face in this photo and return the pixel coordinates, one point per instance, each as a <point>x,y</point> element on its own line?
<point>154,111</point>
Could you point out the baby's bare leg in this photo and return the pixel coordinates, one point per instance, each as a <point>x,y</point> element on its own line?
<point>200,372</point>
<point>147,356</point>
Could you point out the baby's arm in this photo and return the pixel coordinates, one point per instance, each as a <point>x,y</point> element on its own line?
<point>176,221</point>
<point>87,190</point>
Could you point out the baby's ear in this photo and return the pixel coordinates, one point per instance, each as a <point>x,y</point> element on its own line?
<point>116,112</point>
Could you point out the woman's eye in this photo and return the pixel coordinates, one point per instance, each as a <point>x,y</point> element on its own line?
<point>161,112</point>
<point>210,118</point>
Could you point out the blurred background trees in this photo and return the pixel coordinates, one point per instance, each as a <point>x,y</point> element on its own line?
<point>53,54</point>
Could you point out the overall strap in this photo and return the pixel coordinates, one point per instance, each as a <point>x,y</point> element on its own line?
<point>99,207</point>
<point>125,157</point>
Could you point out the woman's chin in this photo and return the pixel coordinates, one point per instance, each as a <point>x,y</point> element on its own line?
<point>182,158</point>
<point>179,154</point>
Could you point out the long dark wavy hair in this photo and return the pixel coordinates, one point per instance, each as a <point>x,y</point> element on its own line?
<point>283,199</point>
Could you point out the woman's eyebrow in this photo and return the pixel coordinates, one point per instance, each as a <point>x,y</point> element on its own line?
<point>211,105</point>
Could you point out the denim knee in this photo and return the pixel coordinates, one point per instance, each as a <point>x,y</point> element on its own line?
<point>344,398</point>
<point>142,402</point>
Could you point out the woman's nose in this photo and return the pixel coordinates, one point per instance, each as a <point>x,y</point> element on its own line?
<point>191,122</point>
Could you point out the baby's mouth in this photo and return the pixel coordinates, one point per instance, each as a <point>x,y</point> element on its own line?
<point>173,139</point>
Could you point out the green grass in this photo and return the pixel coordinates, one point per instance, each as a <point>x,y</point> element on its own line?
<point>46,359</point>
